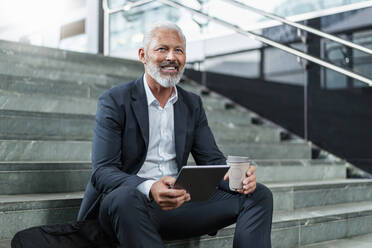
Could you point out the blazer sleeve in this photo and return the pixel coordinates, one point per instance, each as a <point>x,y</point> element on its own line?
<point>106,147</point>
<point>204,148</point>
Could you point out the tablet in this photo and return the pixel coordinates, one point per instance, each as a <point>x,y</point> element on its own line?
<point>200,181</point>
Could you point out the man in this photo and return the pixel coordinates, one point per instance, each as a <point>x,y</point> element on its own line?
<point>144,132</point>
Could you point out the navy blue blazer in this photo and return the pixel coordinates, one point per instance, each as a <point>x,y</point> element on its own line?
<point>121,137</point>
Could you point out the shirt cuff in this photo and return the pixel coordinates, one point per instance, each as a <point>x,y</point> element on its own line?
<point>145,187</point>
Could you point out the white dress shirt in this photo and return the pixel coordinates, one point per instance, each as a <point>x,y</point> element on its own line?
<point>161,154</point>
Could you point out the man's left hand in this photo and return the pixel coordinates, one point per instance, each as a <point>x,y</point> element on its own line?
<point>249,182</point>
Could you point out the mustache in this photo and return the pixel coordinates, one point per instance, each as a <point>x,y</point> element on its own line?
<point>175,64</point>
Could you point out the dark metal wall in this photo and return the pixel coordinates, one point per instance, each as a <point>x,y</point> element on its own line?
<point>339,121</point>
<point>283,104</point>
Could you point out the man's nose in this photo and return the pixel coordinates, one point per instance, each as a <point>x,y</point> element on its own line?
<point>171,56</point>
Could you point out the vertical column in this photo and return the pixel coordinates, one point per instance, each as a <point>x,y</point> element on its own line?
<point>92,25</point>
<point>262,63</point>
<point>349,62</point>
<point>313,77</point>
<point>100,28</point>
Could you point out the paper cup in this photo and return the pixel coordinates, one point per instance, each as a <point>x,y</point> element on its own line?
<point>237,172</point>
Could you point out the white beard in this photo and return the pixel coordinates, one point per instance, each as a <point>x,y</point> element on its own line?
<point>164,80</point>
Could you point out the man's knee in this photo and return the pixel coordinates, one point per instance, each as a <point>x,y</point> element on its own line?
<point>264,196</point>
<point>122,199</point>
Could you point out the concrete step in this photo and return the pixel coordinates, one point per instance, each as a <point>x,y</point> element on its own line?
<point>31,85</point>
<point>42,150</point>
<point>359,241</point>
<point>18,212</point>
<point>301,227</point>
<point>215,104</point>
<point>296,170</point>
<point>299,170</point>
<point>54,150</point>
<point>192,87</point>
<point>43,177</point>
<point>30,94</point>
<point>212,103</point>
<point>236,123</point>
<point>46,104</point>
<point>49,177</point>
<point>282,150</point>
<point>229,116</point>
<point>64,126</point>
<point>42,57</point>
<point>298,195</point>
<point>341,220</point>
<point>41,103</point>
<point>316,224</point>
<point>25,70</point>
<point>5,243</point>
<point>227,132</point>
<point>25,125</point>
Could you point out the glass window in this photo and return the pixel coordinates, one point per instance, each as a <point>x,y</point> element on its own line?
<point>244,64</point>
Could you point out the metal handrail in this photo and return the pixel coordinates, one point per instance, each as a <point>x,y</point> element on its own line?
<point>126,7</point>
<point>263,39</point>
<point>301,26</point>
<point>107,11</point>
<point>271,42</point>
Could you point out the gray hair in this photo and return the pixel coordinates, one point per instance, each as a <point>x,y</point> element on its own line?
<point>165,24</point>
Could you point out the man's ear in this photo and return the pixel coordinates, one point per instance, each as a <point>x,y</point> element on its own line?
<point>141,55</point>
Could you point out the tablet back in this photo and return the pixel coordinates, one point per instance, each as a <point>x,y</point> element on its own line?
<point>200,181</point>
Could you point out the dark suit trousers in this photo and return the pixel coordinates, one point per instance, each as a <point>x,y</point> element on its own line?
<point>135,222</point>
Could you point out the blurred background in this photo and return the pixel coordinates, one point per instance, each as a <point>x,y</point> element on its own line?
<point>298,103</point>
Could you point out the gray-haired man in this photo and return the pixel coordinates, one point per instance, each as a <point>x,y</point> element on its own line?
<point>144,133</point>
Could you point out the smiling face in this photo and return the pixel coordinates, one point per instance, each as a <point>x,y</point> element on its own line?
<point>164,57</point>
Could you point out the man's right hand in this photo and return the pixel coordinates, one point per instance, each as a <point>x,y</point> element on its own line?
<point>166,197</point>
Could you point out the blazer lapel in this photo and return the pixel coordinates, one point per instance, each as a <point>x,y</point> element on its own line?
<point>140,109</point>
<point>180,128</point>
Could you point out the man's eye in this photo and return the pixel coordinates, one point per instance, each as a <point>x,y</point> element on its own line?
<point>179,50</point>
<point>161,49</point>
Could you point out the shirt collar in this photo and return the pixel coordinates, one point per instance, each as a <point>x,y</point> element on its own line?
<point>151,98</point>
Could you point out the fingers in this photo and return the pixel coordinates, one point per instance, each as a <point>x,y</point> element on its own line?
<point>172,193</point>
<point>168,198</point>
<point>172,198</point>
<point>160,190</point>
<point>249,179</point>
<point>247,189</point>
<point>226,177</point>
<point>249,183</point>
<point>173,203</point>
<point>168,180</point>
<point>251,170</point>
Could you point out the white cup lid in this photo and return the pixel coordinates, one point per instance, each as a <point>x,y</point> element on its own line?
<point>237,159</point>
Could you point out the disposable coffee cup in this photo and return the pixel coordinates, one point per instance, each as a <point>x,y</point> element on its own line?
<point>237,172</point>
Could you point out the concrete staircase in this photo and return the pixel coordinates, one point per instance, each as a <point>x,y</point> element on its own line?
<point>47,107</point>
